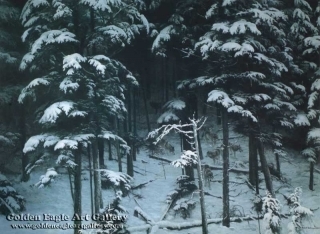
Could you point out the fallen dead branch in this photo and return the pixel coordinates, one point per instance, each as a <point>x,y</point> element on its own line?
<point>250,186</point>
<point>138,212</point>
<point>190,224</point>
<point>168,208</point>
<point>142,185</point>
<point>212,167</point>
<point>211,195</point>
<point>161,159</point>
<point>163,224</point>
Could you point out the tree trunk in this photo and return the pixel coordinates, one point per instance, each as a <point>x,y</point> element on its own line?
<point>129,159</point>
<point>311,176</point>
<point>200,147</point>
<point>101,152</point>
<point>252,178</point>
<point>110,150</point>
<point>96,177</point>
<point>174,76</point>
<point>219,114</point>
<point>277,156</point>
<point>186,146</point>
<point>70,183</point>
<point>189,112</point>
<point>129,114</point>
<point>278,163</point>
<point>118,146</point>
<point>265,168</point>
<point>253,161</point>
<point>225,188</point>
<point>91,179</point>
<point>130,164</point>
<point>201,188</point>
<point>77,188</point>
<point>135,100</point>
<point>23,132</point>
<point>119,156</point>
<point>146,109</point>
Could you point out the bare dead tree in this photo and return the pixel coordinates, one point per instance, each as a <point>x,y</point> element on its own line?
<point>188,157</point>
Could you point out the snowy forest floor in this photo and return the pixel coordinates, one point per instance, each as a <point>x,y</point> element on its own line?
<point>151,198</point>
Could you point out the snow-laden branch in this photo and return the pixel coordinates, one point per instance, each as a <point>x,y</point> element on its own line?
<point>164,130</point>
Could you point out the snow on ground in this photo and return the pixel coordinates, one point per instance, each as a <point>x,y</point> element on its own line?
<point>56,199</point>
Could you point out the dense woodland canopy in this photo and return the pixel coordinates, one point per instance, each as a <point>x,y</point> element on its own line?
<point>76,74</point>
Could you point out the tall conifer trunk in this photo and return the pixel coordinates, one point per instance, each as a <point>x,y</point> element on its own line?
<point>91,179</point>
<point>265,168</point>
<point>23,132</point>
<point>253,160</point>
<point>135,104</point>
<point>96,177</point>
<point>201,187</point>
<point>225,185</point>
<point>311,176</point>
<point>101,152</point>
<point>116,123</point>
<point>77,187</point>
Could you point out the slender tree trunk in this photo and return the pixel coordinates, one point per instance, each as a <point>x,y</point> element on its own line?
<point>70,183</point>
<point>252,178</point>
<point>311,176</point>
<point>129,160</point>
<point>278,163</point>
<point>174,76</point>
<point>277,156</point>
<point>189,112</point>
<point>219,115</point>
<point>186,146</point>
<point>181,141</point>
<point>96,177</point>
<point>77,188</point>
<point>119,155</point>
<point>91,179</point>
<point>118,145</point>
<point>256,166</point>
<point>129,164</point>
<point>110,150</point>
<point>134,149</point>
<point>23,132</point>
<point>225,186</point>
<point>265,168</point>
<point>146,109</point>
<point>200,147</point>
<point>201,188</point>
<point>167,79</point>
<point>101,152</point>
<point>25,161</point>
<point>129,114</point>
<point>253,159</point>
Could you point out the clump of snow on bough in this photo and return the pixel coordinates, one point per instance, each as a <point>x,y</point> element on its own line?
<point>46,179</point>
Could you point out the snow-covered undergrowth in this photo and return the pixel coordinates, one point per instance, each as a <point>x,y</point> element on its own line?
<point>55,199</point>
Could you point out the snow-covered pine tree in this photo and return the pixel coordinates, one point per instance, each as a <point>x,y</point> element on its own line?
<point>247,51</point>
<point>10,201</point>
<point>309,53</point>
<point>272,215</point>
<point>299,213</point>
<point>184,25</point>
<point>82,87</point>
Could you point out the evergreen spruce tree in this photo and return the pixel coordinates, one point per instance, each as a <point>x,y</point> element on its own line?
<point>78,82</point>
